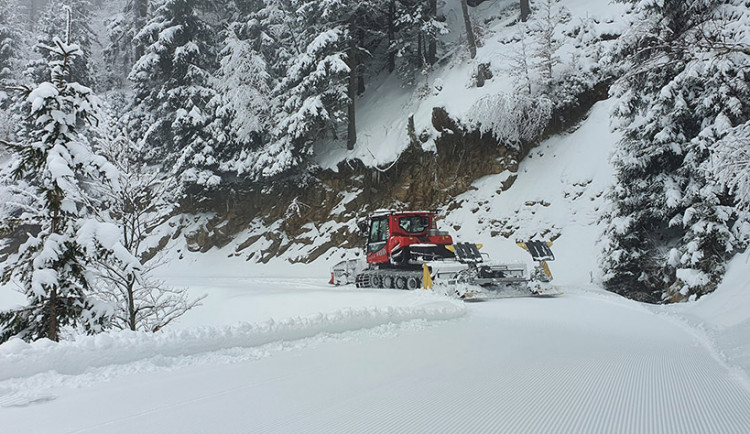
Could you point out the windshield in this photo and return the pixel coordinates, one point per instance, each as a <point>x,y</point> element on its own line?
<point>414,224</point>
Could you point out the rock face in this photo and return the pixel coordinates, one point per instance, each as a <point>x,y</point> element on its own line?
<point>317,212</point>
<point>419,179</point>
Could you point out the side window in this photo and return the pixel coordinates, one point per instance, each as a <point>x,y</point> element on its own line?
<point>378,234</point>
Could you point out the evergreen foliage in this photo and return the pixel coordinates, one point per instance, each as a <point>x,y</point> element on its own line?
<point>672,227</point>
<point>55,157</point>
<point>9,43</point>
<point>172,81</point>
<point>123,49</point>
<point>65,17</point>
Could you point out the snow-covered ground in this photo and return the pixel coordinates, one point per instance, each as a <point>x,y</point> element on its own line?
<point>390,361</point>
<point>274,348</point>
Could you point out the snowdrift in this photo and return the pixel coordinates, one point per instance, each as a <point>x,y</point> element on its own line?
<point>21,359</point>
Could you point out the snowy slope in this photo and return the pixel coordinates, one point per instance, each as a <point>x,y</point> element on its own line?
<point>382,134</point>
<point>558,195</point>
<point>586,362</point>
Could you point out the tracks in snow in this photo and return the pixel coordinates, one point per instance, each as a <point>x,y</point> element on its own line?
<point>575,364</point>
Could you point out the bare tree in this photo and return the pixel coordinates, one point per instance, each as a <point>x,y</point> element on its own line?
<point>547,46</point>
<point>519,66</point>
<point>141,201</point>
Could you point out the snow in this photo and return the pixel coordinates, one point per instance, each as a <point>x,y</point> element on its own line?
<point>557,196</point>
<point>588,361</point>
<point>273,348</point>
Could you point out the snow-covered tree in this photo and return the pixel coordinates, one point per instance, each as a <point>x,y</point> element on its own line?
<point>172,82</point>
<point>514,120</point>
<point>549,16</point>
<point>123,49</point>
<point>317,94</point>
<point>54,156</point>
<point>313,97</point>
<point>243,106</point>
<point>61,17</point>
<point>139,201</point>
<point>11,52</point>
<point>415,33</point>
<point>730,163</point>
<point>520,63</point>
<point>9,43</point>
<point>672,227</point>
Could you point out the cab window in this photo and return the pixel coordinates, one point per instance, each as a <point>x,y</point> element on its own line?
<point>414,224</point>
<point>378,234</point>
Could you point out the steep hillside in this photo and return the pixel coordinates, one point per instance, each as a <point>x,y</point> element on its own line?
<point>424,146</point>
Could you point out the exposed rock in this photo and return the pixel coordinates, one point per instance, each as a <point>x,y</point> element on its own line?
<point>418,179</point>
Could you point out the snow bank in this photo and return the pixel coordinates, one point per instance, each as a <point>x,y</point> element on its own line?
<point>721,320</point>
<point>21,359</point>
<point>729,305</point>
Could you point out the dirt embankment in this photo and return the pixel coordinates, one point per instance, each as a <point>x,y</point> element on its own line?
<point>419,179</point>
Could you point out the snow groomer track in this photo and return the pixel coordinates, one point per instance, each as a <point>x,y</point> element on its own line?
<point>586,362</point>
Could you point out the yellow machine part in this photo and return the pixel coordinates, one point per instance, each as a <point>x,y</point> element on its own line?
<point>426,278</point>
<point>545,267</point>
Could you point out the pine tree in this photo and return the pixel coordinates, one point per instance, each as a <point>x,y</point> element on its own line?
<point>317,96</point>
<point>9,43</point>
<point>415,35</point>
<point>55,157</point>
<point>123,49</point>
<point>172,81</point>
<point>52,22</point>
<point>672,228</point>
<point>243,106</point>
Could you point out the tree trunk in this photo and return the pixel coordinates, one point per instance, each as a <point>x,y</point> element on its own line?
<point>351,137</point>
<point>358,63</point>
<point>52,321</point>
<point>391,35</point>
<point>420,61</point>
<point>432,41</point>
<point>55,229</point>
<point>469,31</point>
<point>140,14</point>
<point>525,10</point>
<point>132,321</point>
<point>32,15</point>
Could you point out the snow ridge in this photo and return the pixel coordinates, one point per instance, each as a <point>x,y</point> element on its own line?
<point>21,359</point>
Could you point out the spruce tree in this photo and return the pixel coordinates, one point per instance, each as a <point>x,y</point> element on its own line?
<point>172,82</point>
<point>123,49</point>
<point>672,227</point>
<point>55,157</point>
<point>10,39</point>
<point>54,22</point>
<point>242,103</point>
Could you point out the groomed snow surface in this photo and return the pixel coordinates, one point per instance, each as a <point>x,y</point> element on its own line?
<point>275,349</point>
<point>585,362</point>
